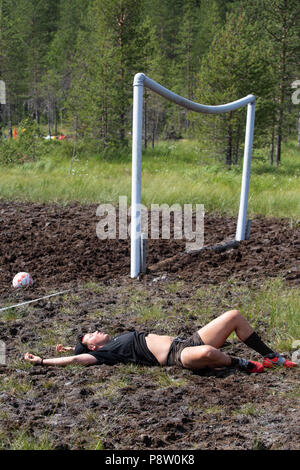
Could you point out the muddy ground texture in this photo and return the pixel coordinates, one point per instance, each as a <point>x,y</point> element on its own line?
<point>127,406</point>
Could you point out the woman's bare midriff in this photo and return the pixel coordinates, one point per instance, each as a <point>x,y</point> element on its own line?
<point>159,346</point>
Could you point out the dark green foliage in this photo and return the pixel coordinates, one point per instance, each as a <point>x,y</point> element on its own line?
<point>70,64</point>
<point>234,67</point>
<point>27,147</point>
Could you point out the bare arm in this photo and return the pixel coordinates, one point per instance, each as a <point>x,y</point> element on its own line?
<point>82,359</point>
<point>61,348</point>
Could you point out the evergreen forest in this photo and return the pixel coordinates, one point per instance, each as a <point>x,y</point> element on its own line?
<point>70,64</point>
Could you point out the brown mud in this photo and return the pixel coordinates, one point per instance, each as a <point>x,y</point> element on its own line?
<point>132,407</point>
<point>59,246</point>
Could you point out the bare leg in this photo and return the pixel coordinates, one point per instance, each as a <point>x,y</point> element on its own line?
<point>217,331</point>
<point>214,335</point>
<point>198,357</point>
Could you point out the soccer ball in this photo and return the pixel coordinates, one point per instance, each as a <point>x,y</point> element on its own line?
<point>22,280</point>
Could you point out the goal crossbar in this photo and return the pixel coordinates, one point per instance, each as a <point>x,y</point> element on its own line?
<point>141,80</point>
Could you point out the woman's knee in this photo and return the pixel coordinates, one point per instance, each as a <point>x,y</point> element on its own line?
<point>190,355</point>
<point>233,315</point>
<point>208,352</point>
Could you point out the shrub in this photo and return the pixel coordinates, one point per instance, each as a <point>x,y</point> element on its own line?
<point>29,145</point>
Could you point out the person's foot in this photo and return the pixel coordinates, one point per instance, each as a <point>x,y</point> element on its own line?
<point>254,367</point>
<point>276,360</point>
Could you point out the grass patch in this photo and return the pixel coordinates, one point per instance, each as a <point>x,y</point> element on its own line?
<point>71,298</point>
<point>94,287</point>
<point>25,441</point>
<point>14,314</point>
<point>163,379</point>
<point>67,311</point>
<point>280,305</point>
<point>96,443</point>
<point>150,313</point>
<point>17,388</point>
<point>144,307</point>
<point>214,410</point>
<point>174,287</point>
<point>137,296</point>
<point>112,388</point>
<point>274,304</point>
<point>181,172</point>
<point>49,384</point>
<point>293,394</point>
<point>50,337</point>
<point>249,409</point>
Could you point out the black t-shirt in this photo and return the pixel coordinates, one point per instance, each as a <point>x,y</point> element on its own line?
<point>126,348</point>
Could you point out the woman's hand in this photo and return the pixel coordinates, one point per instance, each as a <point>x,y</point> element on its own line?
<point>61,348</point>
<point>33,359</point>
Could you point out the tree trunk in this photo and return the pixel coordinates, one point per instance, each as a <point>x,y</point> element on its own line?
<point>153,136</point>
<point>279,136</point>
<point>272,144</point>
<point>229,142</point>
<point>1,119</point>
<point>55,119</point>
<point>282,90</point>
<point>237,145</point>
<point>121,21</point>
<point>299,129</point>
<point>74,145</point>
<point>10,132</point>
<point>49,120</point>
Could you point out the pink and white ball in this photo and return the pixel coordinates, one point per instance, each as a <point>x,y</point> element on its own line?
<point>22,280</point>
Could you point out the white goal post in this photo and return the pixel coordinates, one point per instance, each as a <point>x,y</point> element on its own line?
<point>141,80</point>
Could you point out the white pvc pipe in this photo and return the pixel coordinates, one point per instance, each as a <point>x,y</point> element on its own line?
<point>136,179</point>
<point>140,80</point>
<point>184,102</point>
<point>242,217</point>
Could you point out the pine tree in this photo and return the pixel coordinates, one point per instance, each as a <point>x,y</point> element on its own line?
<point>234,67</point>
<point>109,53</point>
<point>17,59</point>
<point>279,22</point>
<point>37,27</point>
<point>57,79</point>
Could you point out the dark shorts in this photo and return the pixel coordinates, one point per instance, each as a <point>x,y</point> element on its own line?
<point>178,344</point>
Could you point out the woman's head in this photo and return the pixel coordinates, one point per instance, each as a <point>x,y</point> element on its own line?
<point>91,342</point>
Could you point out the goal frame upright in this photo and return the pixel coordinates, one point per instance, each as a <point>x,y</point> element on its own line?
<point>141,81</point>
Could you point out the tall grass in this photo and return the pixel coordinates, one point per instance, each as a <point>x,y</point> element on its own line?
<point>173,172</point>
<point>281,304</point>
<point>273,304</point>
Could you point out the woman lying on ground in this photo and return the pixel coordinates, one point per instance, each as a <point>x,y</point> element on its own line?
<point>199,351</point>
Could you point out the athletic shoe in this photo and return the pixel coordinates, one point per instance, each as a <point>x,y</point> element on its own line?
<point>254,367</point>
<point>276,360</point>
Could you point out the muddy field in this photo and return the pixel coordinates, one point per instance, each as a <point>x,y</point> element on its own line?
<point>131,407</point>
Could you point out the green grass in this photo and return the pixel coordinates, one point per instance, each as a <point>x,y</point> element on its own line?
<point>147,313</point>
<point>214,410</point>
<point>20,389</point>
<point>13,314</point>
<point>112,388</point>
<point>250,409</point>
<point>174,287</point>
<point>282,306</point>
<point>163,380</point>
<point>274,304</point>
<point>181,172</point>
<point>25,441</point>
<point>95,287</point>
